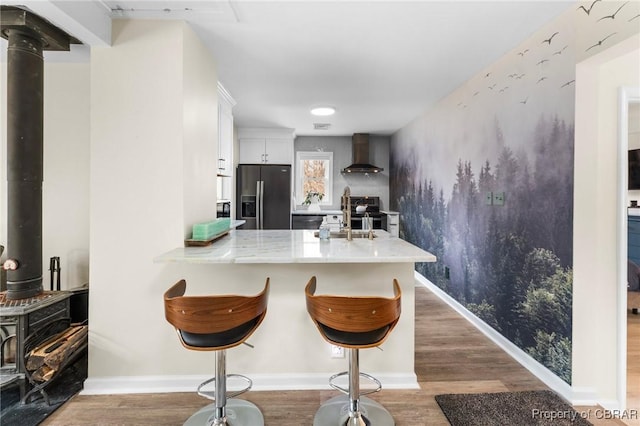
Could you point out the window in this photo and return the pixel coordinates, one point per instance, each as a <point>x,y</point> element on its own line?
<point>314,172</point>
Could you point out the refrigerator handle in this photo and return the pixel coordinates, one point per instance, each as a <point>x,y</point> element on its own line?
<point>258,198</point>
<point>261,204</point>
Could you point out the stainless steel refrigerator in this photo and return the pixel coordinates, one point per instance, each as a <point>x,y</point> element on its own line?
<point>264,196</point>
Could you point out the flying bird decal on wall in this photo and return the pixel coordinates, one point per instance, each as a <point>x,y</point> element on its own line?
<point>588,11</point>
<point>550,38</point>
<point>613,16</point>
<point>559,52</point>
<point>599,43</point>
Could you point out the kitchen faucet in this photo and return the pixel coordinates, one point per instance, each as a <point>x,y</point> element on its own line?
<point>346,211</point>
<point>369,223</point>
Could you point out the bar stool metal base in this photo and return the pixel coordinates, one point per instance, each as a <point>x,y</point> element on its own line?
<point>239,413</point>
<point>335,412</point>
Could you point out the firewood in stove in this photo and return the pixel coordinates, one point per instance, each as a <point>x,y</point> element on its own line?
<point>37,355</point>
<point>56,349</point>
<point>43,373</point>
<point>35,359</point>
<point>67,349</point>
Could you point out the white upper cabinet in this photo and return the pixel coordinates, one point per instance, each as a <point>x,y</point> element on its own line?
<point>225,131</point>
<point>252,150</point>
<point>266,146</point>
<point>279,151</point>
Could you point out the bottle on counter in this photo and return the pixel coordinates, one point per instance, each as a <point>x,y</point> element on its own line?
<point>324,231</point>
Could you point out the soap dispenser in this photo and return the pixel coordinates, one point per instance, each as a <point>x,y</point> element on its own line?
<point>324,230</point>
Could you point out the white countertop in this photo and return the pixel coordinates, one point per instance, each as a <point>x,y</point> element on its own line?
<point>298,246</point>
<point>633,211</point>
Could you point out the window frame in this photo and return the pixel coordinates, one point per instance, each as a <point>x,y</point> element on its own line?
<point>301,156</point>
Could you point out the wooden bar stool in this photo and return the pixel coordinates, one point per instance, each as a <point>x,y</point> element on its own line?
<point>354,323</point>
<point>217,323</point>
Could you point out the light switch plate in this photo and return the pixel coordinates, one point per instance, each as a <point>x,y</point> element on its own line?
<point>489,198</point>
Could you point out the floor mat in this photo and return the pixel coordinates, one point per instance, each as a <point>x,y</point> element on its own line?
<point>509,408</point>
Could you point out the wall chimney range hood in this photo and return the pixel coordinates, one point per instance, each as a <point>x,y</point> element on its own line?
<point>360,150</point>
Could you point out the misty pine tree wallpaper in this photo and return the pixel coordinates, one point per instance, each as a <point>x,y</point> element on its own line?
<point>507,131</point>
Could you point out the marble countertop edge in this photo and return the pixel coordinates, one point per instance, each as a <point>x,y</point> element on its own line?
<point>296,247</point>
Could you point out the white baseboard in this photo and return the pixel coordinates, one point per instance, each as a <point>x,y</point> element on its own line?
<point>584,396</point>
<point>261,382</point>
<point>537,369</point>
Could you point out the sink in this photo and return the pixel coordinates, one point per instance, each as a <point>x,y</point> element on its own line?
<point>343,234</point>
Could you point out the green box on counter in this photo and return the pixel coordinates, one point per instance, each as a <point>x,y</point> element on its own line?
<point>207,230</point>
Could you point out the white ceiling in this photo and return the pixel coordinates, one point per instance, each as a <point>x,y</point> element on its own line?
<point>380,63</point>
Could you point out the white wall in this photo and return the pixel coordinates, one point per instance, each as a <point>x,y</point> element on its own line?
<point>200,128</point>
<point>65,189</point>
<point>595,361</point>
<point>153,145</point>
<point>66,171</point>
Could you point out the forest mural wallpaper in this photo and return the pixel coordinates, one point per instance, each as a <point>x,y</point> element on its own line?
<point>508,130</point>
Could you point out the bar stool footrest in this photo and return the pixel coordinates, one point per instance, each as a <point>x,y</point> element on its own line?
<point>239,413</point>
<point>335,412</point>
<point>346,391</point>
<point>230,394</point>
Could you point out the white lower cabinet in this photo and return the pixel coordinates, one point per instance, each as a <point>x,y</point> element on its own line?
<point>393,224</point>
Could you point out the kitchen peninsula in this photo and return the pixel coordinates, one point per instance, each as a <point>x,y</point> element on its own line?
<point>289,353</point>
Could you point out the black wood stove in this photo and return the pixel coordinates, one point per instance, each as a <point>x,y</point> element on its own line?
<point>25,308</point>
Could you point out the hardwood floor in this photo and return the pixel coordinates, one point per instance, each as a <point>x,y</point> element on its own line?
<point>451,357</point>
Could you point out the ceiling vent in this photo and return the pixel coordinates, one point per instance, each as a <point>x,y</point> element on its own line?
<point>321,126</point>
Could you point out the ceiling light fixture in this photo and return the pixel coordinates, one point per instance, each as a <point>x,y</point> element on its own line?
<point>323,111</point>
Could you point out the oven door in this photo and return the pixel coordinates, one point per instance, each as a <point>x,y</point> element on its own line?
<point>359,222</point>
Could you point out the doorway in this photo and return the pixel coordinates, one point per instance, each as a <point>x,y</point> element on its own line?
<point>629,116</point>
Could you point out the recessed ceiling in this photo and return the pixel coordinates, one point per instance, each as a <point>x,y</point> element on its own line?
<point>380,63</point>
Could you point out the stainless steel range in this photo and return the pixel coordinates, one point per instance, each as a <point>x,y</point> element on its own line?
<point>371,209</point>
